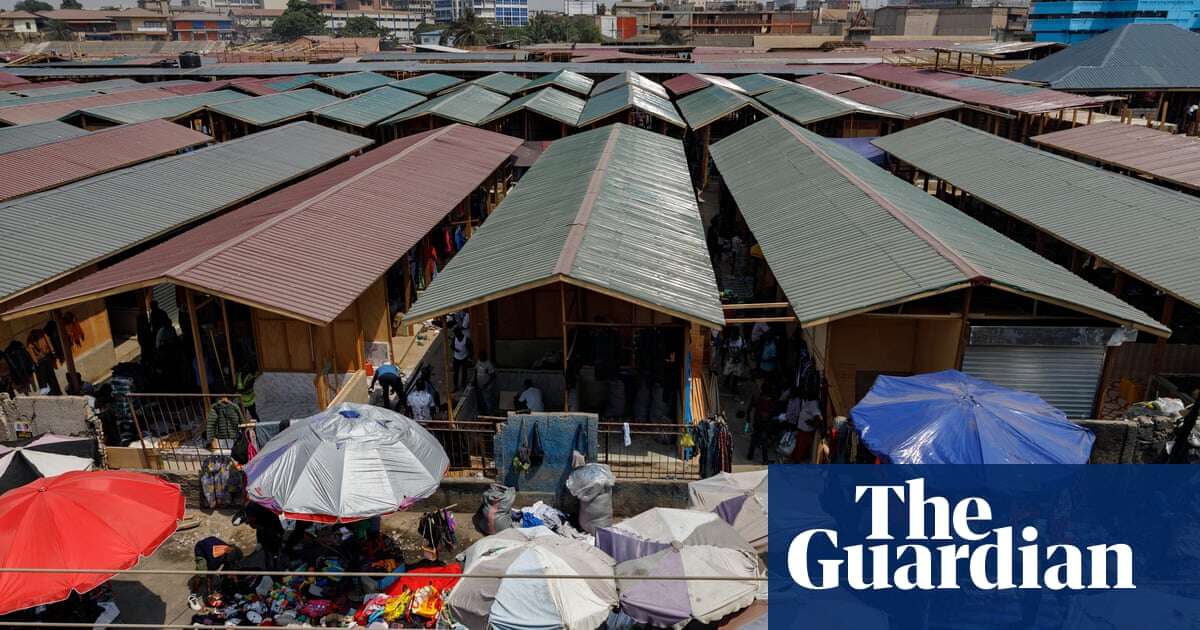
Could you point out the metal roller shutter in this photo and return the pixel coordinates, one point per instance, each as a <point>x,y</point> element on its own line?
<point>1064,376</point>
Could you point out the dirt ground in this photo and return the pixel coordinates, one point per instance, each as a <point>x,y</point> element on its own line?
<point>163,598</point>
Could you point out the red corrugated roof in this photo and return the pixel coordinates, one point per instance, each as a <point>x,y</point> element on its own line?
<point>198,88</point>
<point>9,79</point>
<point>53,110</point>
<point>311,249</point>
<point>685,84</point>
<point>52,165</point>
<point>977,90</point>
<point>1167,157</point>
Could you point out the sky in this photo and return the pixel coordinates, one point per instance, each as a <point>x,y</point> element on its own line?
<point>96,4</point>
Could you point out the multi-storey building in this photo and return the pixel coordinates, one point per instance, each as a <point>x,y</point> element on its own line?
<point>502,12</point>
<point>1073,22</point>
<point>399,24</point>
<point>189,27</point>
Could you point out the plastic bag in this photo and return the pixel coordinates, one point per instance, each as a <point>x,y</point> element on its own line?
<point>787,443</point>
<point>592,485</point>
<point>495,514</point>
<point>521,460</point>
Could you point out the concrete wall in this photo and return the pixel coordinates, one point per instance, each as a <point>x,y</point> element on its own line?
<point>64,415</point>
<point>557,433</point>
<point>944,21</point>
<point>1137,441</point>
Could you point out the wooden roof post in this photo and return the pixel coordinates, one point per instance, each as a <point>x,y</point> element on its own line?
<point>233,374</point>
<point>74,381</point>
<point>201,370</point>
<point>562,302</point>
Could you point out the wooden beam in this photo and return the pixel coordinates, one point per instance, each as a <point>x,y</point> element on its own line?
<point>201,370</point>
<point>233,374</point>
<point>562,302</point>
<point>964,333</point>
<point>754,320</point>
<point>74,381</point>
<point>748,307</point>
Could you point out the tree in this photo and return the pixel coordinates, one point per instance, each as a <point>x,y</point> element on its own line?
<point>299,19</point>
<point>362,26</point>
<point>425,27</point>
<point>671,35</point>
<point>471,30</point>
<point>57,30</point>
<point>33,6</point>
<point>70,4</point>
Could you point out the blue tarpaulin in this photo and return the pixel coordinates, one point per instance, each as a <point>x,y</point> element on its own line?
<point>952,418</point>
<point>863,147</point>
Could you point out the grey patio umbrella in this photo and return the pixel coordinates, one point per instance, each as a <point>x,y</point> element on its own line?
<point>346,464</point>
<point>657,529</point>
<point>740,499</point>
<point>674,603</point>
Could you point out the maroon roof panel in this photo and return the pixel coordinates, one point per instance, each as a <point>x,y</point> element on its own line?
<point>53,110</point>
<point>1168,157</point>
<point>685,84</point>
<point>311,249</point>
<point>198,88</point>
<point>8,79</point>
<point>52,165</point>
<point>977,90</point>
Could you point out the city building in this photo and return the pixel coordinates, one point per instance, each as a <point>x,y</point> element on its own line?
<point>502,12</point>
<point>579,7</point>
<point>85,25</point>
<point>718,23</point>
<point>222,6</point>
<point>191,27</point>
<point>139,25</point>
<point>19,23</point>
<point>253,24</point>
<point>1072,22</point>
<point>1000,23</point>
<point>400,25</point>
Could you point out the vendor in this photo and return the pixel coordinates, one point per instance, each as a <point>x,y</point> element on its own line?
<point>530,399</point>
<point>388,377</point>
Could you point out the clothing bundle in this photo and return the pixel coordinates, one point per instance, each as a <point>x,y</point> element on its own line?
<point>438,529</point>
<point>714,445</point>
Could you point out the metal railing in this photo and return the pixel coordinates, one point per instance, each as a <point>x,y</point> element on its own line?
<point>470,445</point>
<point>170,428</point>
<point>653,451</point>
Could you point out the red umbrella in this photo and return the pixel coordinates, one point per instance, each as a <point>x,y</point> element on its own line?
<point>80,520</point>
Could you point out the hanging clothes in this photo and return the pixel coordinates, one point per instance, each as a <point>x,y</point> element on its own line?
<point>438,529</point>
<point>460,238</point>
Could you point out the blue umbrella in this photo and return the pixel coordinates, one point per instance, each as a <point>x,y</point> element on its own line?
<point>952,418</point>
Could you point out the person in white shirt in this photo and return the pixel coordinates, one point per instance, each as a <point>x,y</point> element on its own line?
<point>420,404</point>
<point>531,398</point>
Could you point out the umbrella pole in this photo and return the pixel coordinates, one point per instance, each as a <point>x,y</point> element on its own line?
<point>446,368</point>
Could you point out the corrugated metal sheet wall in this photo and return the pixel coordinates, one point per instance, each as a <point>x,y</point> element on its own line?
<point>1066,377</point>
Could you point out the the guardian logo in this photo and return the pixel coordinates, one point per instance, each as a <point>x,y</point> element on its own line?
<point>989,559</point>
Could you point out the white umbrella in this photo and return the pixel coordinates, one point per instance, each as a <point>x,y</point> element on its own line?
<point>740,499</point>
<point>22,461</point>
<point>674,603</point>
<point>657,529</point>
<point>346,464</point>
<point>533,604</point>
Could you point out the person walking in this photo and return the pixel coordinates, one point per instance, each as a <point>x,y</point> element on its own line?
<point>485,384</point>
<point>461,346</point>
<point>388,377</point>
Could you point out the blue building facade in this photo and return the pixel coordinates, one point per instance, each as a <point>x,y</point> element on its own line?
<point>512,12</point>
<point>503,12</point>
<point>1073,22</point>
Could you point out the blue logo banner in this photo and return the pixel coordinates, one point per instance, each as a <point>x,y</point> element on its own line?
<point>978,547</point>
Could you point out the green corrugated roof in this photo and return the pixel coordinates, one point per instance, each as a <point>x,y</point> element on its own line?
<point>367,109</point>
<point>271,109</point>
<point>428,84</point>
<point>563,79</point>
<point>36,135</point>
<point>843,236</point>
<point>610,209</point>
<point>548,102</point>
<point>55,232</point>
<point>756,84</point>
<point>292,83</point>
<point>354,83</point>
<point>468,105</point>
<point>806,105</point>
<point>142,111</point>
<point>630,77</point>
<point>1148,231</point>
<point>615,101</point>
<point>502,82</point>
<point>714,102</point>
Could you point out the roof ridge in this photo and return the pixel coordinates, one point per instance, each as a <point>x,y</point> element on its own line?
<point>1111,49</point>
<point>973,273</point>
<point>566,258</point>
<point>300,207</point>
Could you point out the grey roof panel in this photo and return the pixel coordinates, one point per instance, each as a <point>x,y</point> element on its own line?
<point>843,236</point>
<point>755,84</point>
<point>630,77</point>
<point>142,111</point>
<point>368,109</point>
<point>564,80</point>
<point>610,209</point>
<point>1134,56</point>
<point>625,97</point>
<point>428,84</point>
<point>468,105</point>
<point>713,103</point>
<point>502,82</point>
<point>55,232</point>
<point>1148,231</point>
<point>549,102</point>
<point>262,111</point>
<point>355,83</point>
<point>36,135</point>
<point>805,105</point>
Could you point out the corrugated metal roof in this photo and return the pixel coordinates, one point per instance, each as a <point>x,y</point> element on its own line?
<point>610,209</point>
<point>1134,56</point>
<point>291,83</point>
<point>625,97</point>
<point>53,233</point>
<point>1148,231</point>
<point>262,111</point>
<point>52,165</point>
<point>428,84</point>
<point>161,108</point>
<point>502,82</point>
<point>8,80</point>
<point>273,253</point>
<point>978,91</point>
<point>713,103</point>
<point>468,105</point>
<point>98,87</point>
<point>197,87</point>
<point>630,77</point>
<point>859,90</point>
<point>548,102</point>
<point>453,57</point>
<point>1167,157</point>
<point>367,109</point>
<point>807,105</point>
<point>354,83</point>
<point>37,134</point>
<point>562,79</point>
<point>41,112</point>
<point>755,84</point>
<point>685,84</point>
<point>843,236</point>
